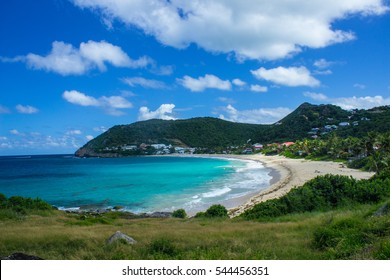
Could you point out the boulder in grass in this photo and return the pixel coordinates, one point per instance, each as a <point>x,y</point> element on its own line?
<point>120,236</point>
<point>21,256</point>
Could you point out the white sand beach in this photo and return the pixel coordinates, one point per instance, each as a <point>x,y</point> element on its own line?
<point>289,173</point>
<point>286,174</point>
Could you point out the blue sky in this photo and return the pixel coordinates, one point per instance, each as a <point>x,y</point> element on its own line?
<point>71,69</point>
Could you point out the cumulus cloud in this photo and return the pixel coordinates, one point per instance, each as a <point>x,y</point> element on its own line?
<point>146,83</point>
<point>110,104</point>
<point>65,59</point>
<point>365,102</point>
<point>238,82</point>
<point>89,137</point>
<point>164,112</point>
<point>80,98</point>
<point>202,83</point>
<point>256,116</point>
<point>258,88</point>
<point>291,76</point>
<point>251,29</point>
<point>349,103</point>
<point>26,109</point>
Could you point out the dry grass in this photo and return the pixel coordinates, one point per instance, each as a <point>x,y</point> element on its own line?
<point>65,236</point>
<point>57,237</point>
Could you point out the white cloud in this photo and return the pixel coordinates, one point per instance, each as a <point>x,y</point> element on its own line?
<point>323,72</point>
<point>164,112</point>
<point>256,116</point>
<point>99,53</point>
<point>366,102</point>
<point>251,29</point>
<point>291,76</point>
<point>322,63</point>
<point>66,59</point>
<point>16,132</point>
<point>80,98</point>
<point>202,83</point>
<point>100,129</point>
<point>258,88</point>
<point>26,109</point>
<point>116,102</point>
<point>74,132</point>
<point>110,104</point>
<point>348,103</point>
<point>164,70</point>
<point>146,83</point>
<point>238,82</point>
<point>89,137</point>
<point>316,96</point>
<point>37,142</point>
<point>359,86</point>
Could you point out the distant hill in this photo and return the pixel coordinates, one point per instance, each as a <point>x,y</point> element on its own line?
<point>215,135</point>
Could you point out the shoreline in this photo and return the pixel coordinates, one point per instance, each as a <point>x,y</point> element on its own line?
<point>287,174</point>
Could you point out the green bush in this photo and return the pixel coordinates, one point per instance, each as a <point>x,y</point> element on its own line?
<point>200,215</point>
<point>324,193</point>
<point>179,213</point>
<point>216,210</point>
<point>21,206</point>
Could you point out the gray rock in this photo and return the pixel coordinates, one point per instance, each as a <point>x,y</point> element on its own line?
<point>120,236</point>
<point>21,256</point>
<point>161,215</point>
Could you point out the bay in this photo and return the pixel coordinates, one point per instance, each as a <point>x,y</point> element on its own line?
<point>139,184</point>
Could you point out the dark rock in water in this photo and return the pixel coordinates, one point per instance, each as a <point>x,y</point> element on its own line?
<point>21,256</point>
<point>120,236</point>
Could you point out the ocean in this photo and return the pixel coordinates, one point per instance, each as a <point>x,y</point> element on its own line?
<point>138,184</point>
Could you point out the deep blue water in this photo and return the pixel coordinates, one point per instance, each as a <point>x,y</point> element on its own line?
<point>140,184</point>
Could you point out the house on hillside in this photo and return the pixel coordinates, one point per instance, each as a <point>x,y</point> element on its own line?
<point>344,124</point>
<point>257,146</point>
<point>288,144</point>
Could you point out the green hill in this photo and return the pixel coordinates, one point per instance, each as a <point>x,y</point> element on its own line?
<point>216,135</point>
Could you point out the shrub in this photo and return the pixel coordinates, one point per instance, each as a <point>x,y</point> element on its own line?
<point>200,215</point>
<point>216,210</point>
<point>179,213</point>
<point>324,193</point>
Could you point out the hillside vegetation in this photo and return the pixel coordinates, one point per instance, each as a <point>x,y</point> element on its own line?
<point>212,135</point>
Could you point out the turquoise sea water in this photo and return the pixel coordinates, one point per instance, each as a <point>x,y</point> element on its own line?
<point>140,184</point>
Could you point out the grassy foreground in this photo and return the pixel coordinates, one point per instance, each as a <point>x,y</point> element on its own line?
<point>341,234</point>
<point>329,217</point>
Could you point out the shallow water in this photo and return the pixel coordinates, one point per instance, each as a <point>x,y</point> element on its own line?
<point>139,184</point>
